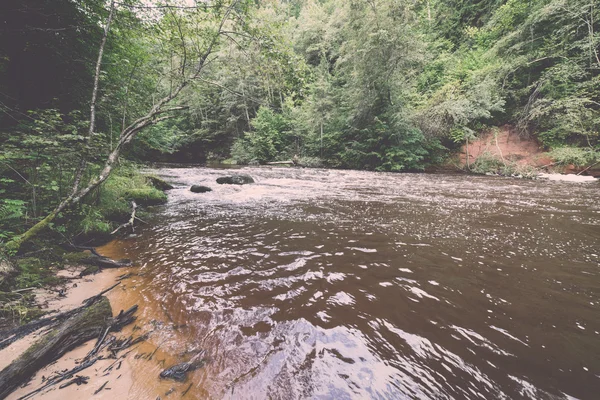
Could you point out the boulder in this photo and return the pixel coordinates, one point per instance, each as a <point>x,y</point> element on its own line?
<point>158,183</point>
<point>235,180</point>
<point>200,189</point>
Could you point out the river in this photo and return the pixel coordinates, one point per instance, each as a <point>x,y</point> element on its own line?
<point>316,283</point>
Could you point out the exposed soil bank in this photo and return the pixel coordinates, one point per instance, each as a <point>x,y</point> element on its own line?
<point>506,144</point>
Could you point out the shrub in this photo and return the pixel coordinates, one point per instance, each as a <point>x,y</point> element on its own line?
<point>577,156</point>
<point>487,164</point>
<point>240,152</point>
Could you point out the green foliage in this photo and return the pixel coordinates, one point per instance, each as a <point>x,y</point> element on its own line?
<point>488,164</point>
<point>93,221</point>
<point>270,140</point>
<point>33,272</point>
<point>241,153</point>
<point>10,211</point>
<point>579,157</point>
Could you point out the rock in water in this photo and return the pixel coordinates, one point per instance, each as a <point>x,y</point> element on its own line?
<point>200,189</point>
<point>179,372</point>
<point>235,180</point>
<point>159,183</point>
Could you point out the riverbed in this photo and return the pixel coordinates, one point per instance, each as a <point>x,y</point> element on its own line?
<point>315,283</point>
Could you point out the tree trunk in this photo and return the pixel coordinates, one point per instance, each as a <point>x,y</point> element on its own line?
<point>467,151</point>
<point>84,326</point>
<point>92,125</point>
<point>152,117</point>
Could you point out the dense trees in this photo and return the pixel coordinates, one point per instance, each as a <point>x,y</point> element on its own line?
<point>190,38</point>
<point>387,85</point>
<point>391,81</point>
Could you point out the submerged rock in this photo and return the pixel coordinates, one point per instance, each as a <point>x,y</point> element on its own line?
<point>200,189</point>
<point>235,180</point>
<point>179,372</point>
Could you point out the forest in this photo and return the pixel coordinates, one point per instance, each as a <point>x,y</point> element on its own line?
<point>89,89</point>
<point>291,199</point>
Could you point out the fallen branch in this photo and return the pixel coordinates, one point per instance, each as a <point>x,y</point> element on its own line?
<point>89,301</point>
<point>79,380</point>
<point>104,262</point>
<point>186,390</point>
<point>90,322</point>
<point>77,330</point>
<point>282,163</point>
<point>596,163</point>
<point>12,335</point>
<point>60,377</point>
<point>23,290</point>
<point>131,221</point>
<point>101,387</point>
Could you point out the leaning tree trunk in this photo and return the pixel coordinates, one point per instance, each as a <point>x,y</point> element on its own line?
<point>90,323</point>
<point>154,115</point>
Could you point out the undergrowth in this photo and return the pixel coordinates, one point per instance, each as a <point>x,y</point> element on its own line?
<point>579,157</point>
<point>488,164</point>
<point>111,204</point>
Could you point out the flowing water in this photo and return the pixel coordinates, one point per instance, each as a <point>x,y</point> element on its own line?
<point>343,284</point>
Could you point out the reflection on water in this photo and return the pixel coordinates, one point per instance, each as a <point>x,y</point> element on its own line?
<point>345,284</point>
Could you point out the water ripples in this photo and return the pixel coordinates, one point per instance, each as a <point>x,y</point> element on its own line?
<point>345,284</point>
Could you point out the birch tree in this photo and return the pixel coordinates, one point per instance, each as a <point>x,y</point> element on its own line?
<point>198,31</point>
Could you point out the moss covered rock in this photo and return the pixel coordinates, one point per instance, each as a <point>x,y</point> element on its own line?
<point>159,183</point>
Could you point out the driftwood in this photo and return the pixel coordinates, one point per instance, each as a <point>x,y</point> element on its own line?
<point>12,335</point>
<point>90,321</point>
<point>81,327</point>
<point>591,166</point>
<point>71,246</point>
<point>179,372</point>
<point>290,162</point>
<point>101,387</point>
<point>131,221</point>
<point>78,380</point>
<point>105,262</point>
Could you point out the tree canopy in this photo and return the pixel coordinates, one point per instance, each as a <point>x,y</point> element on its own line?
<point>388,85</point>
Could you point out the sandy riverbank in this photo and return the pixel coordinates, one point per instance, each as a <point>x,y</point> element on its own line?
<point>77,290</point>
<point>137,377</point>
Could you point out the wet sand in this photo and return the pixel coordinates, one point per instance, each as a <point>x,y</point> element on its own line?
<point>77,290</point>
